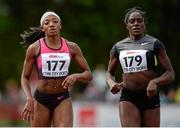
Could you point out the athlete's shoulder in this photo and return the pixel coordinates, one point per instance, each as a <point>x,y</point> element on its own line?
<point>72,44</point>
<point>69,43</point>
<point>33,48</point>
<point>149,38</point>
<point>34,45</point>
<point>73,47</point>
<point>125,40</point>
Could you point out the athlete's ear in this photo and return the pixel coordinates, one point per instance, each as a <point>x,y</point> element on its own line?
<point>42,29</point>
<point>127,27</point>
<point>60,25</point>
<point>144,27</point>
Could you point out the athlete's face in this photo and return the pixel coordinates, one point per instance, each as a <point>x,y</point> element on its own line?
<point>51,25</point>
<point>135,24</point>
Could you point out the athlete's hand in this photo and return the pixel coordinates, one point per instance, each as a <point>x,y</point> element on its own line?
<point>69,81</point>
<point>116,88</point>
<point>152,88</point>
<point>27,113</point>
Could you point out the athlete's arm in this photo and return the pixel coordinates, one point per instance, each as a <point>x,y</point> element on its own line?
<point>27,69</point>
<point>27,113</point>
<point>169,75</point>
<point>85,76</point>
<point>110,75</point>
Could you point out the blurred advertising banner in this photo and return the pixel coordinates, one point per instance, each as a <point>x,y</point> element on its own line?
<point>87,116</point>
<point>100,114</point>
<point>93,114</point>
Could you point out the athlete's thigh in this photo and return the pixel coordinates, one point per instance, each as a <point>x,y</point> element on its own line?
<point>63,114</point>
<point>129,114</point>
<point>41,116</point>
<point>151,118</point>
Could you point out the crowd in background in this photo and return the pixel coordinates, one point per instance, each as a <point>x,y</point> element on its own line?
<point>12,98</point>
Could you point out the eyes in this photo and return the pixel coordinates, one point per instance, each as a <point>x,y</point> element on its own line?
<point>54,21</point>
<point>138,20</point>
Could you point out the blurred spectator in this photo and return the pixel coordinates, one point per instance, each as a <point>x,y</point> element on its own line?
<point>177,95</point>
<point>12,96</point>
<point>0,96</point>
<point>111,97</point>
<point>167,96</point>
<point>163,98</point>
<point>171,96</point>
<point>12,101</point>
<point>97,88</point>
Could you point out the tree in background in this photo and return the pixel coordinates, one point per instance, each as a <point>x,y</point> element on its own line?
<point>93,24</point>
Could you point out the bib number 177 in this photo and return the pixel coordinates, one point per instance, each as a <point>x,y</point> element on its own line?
<point>55,65</point>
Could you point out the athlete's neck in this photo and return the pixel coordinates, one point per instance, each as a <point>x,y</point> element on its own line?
<point>53,41</point>
<point>136,37</point>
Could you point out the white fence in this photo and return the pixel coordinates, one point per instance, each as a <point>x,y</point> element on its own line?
<point>107,114</point>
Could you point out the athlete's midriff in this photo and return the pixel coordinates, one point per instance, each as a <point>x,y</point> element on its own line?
<point>134,80</point>
<point>50,86</point>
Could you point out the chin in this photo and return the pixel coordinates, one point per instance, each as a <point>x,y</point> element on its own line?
<point>52,34</point>
<point>137,33</point>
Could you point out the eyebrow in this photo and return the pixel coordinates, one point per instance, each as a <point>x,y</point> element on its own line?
<point>52,19</point>
<point>136,18</point>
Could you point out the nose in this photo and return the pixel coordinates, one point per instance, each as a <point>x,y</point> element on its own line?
<point>136,22</point>
<point>51,24</point>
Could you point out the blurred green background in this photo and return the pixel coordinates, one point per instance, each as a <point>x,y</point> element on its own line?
<point>95,25</point>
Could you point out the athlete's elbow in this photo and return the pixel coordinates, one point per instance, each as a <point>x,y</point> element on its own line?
<point>89,78</point>
<point>171,76</point>
<point>85,78</point>
<point>25,77</point>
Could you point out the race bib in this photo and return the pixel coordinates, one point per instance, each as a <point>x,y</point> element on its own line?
<point>55,64</point>
<point>133,60</point>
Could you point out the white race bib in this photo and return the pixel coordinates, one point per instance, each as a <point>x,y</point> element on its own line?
<point>55,64</point>
<point>133,60</point>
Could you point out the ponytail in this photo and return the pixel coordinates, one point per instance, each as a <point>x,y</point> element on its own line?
<point>29,37</point>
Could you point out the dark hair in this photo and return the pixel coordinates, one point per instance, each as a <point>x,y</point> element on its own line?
<point>31,36</point>
<point>135,9</point>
